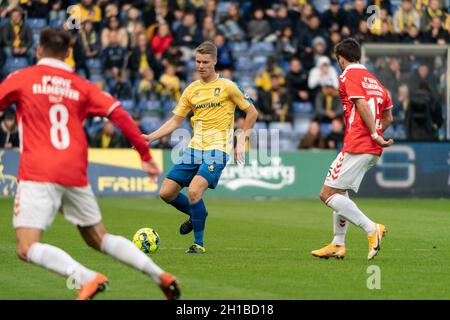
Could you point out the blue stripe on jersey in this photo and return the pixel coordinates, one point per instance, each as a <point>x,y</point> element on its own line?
<point>245,94</point>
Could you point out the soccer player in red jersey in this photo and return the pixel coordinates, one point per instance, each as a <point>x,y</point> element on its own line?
<point>52,102</point>
<point>367,113</point>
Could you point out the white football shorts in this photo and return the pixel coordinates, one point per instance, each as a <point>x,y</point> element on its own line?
<point>348,170</point>
<point>37,203</point>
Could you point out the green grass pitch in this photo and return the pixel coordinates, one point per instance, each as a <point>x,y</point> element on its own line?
<point>256,249</point>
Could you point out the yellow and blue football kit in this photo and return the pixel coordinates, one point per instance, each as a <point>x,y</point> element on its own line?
<point>213,105</point>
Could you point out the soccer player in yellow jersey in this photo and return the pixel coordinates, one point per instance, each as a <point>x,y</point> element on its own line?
<point>213,100</point>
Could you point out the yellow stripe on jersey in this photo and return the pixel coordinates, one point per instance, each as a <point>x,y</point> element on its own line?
<point>213,105</point>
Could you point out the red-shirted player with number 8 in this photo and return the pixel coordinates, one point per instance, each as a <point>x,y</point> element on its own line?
<point>367,112</point>
<point>52,103</point>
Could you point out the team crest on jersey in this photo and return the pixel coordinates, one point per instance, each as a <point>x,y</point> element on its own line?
<point>216,92</point>
<point>211,167</point>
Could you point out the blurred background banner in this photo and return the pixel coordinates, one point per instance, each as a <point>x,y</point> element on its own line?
<point>404,170</point>
<point>410,170</point>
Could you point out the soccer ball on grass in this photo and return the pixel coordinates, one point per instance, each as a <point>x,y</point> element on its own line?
<point>147,240</point>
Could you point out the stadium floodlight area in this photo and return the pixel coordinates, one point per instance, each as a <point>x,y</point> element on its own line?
<point>437,57</point>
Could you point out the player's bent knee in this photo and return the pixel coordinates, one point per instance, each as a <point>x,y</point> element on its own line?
<point>194,196</point>
<point>325,194</point>
<point>165,195</point>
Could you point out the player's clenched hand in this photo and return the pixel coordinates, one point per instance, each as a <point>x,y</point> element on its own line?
<point>383,143</point>
<point>152,169</point>
<point>147,137</point>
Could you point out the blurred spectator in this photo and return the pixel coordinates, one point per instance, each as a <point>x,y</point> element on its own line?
<point>169,85</point>
<point>433,10</point>
<point>424,116</point>
<point>161,40</point>
<point>334,18</point>
<point>110,10</point>
<point>158,10</point>
<point>259,27</point>
<point>327,104</point>
<point>356,14</point>
<point>86,9</point>
<point>141,60</point>
<point>323,75</point>
<point>387,35</point>
<point>286,44</point>
<point>377,23</point>
<point>17,37</point>
<point>174,56</point>
<point>133,25</point>
<point>423,76</point>
<point>405,17</point>
<point>107,137</point>
<point>232,27</point>
<point>145,85</point>
<point>274,105</point>
<point>319,48</point>
<point>209,29</point>
<point>401,103</point>
<point>35,8</point>
<point>189,34</point>
<point>6,6</point>
<point>138,29</point>
<point>211,11</point>
<point>305,41</point>
<point>224,55</point>
<point>335,138</point>
<point>281,20</point>
<point>412,37</point>
<point>297,82</point>
<point>87,45</point>
<point>263,79</point>
<point>390,76</point>
<point>9,133</point>
<point>313,139</point>
<point>57,12</point>
<point>121,88</point>
<point>435,31</point>
<point>89,39</point>
<point>363,35</point>
<point>113,25</point>
<point>113,58</point>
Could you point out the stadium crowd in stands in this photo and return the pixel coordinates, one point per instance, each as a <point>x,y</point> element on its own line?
<point>280,52</point>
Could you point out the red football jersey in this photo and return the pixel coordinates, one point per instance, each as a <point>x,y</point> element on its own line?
<point>356,82</point>
<point>51,104</point>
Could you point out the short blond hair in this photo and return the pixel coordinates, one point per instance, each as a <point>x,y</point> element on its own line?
<point>207,47</point>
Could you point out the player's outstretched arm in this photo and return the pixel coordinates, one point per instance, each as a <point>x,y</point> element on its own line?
<point>167,128</point>
<point>251,115</point>
<point>369,121</point>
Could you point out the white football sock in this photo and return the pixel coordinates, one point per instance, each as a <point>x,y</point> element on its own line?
<point>348,209</point>
<point>125,251</point>
<point>59,261</point>
<point>340,226</point>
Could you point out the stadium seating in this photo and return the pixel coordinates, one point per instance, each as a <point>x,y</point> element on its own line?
<point>15,63</point>
<point>127,105</point>
<point>150,124</point>
<point>284,128</point>
<point>36,24</point>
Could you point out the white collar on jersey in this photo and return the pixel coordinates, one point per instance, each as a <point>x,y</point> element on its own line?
<point>55,63</point>
<point>354,66</point>
<point>351,66</point>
